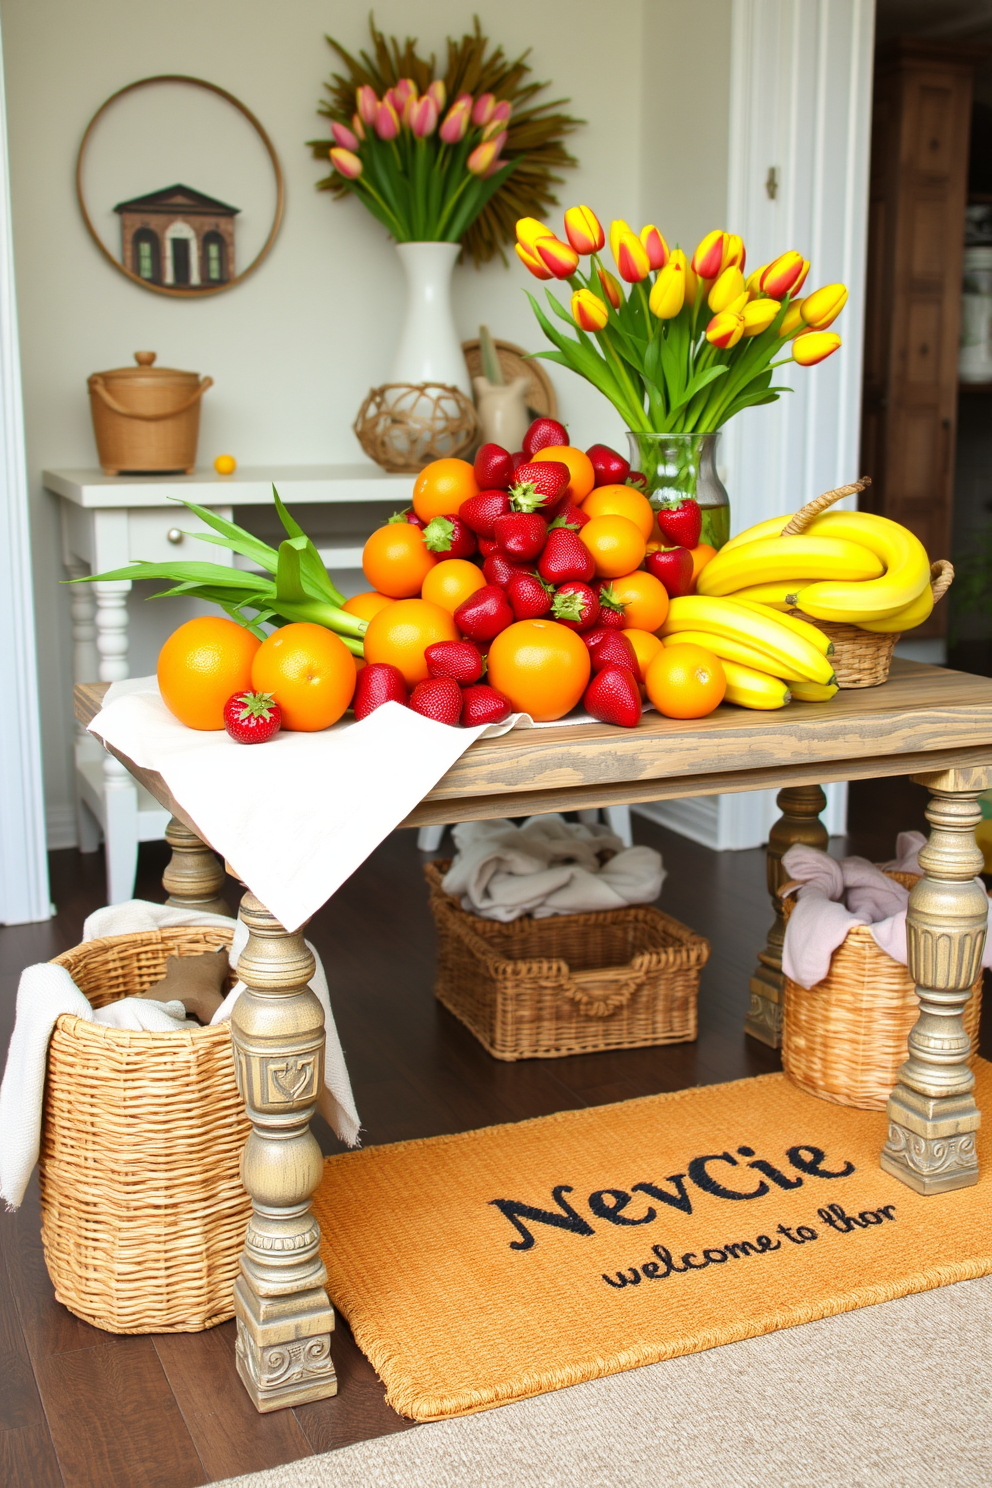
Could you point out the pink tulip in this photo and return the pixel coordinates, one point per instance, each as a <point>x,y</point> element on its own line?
<point>483,157</point>
<point>344,136</point>
<point>358,126</point>
<point>482,112</point>
<point>387,124</point>
<point>453,129</point>
<point>439,93</point>
<point>404,90</point>
<point>423,116</point>
<point>502,112</point>
<point>348,164</point>
<point>367,103</point>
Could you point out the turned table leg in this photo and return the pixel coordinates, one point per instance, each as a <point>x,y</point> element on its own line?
<point>932,1113</point>
<point>195,875</point>
<point>800,806</point>
<point>284,1317</point>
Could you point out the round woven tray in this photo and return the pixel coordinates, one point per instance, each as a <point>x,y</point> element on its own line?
<point>143,1212</point>
<point>845,1039</point>
<point>514,361</point>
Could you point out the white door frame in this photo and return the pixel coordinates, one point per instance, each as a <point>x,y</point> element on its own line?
<point>24,893</point>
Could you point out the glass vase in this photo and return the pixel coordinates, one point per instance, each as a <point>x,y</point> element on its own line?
<point>676,466</point>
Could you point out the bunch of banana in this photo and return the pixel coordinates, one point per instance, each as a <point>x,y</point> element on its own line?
<point>846,566</point>
<point>768,657</point>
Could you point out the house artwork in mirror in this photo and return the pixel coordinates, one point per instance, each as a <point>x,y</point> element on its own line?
<point>178,236</point>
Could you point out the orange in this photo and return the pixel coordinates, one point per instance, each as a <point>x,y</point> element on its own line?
<point>451,581</point>
<point>441,487</point>
<point>644,598</point>
<point>402,633</point>
<point>583,476</point>
<point>621,501</point>
<point>700,557</point>
<point>541,666</point>
<point>646,647</point>
<point>685,682</point>
<point>310,673</point>
<point>366,605</point>
<point>616,545</point>
<point>396,560</point>
<point>201,665</point>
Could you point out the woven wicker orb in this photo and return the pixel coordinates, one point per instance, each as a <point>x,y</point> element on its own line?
<point>404,426</point>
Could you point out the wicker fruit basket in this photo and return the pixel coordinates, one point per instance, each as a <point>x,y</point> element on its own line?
<point>143,1212</point>
<point>845,1038</point>
<point>568,984</point>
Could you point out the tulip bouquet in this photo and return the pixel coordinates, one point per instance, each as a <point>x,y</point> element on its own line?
<point>432,157</point>
<point>688,342</point>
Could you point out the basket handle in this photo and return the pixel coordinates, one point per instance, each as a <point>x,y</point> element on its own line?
<point>97,385</point>
<point>813,508</point>
<point>941,578</point>
<point>596,1004</point>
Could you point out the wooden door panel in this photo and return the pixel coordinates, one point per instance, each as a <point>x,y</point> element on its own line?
<point>923,343</point>
<point>933,105</point>
<point>928,228</point>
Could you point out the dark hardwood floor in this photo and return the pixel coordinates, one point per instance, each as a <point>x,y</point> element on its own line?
<point>82,1407</point>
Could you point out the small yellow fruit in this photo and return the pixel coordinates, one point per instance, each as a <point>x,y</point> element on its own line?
<point>225,464</point>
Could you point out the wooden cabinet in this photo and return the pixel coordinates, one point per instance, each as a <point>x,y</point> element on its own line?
<point>919,167</point>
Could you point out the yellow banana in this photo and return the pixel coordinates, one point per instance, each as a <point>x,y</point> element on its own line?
<point>814,558</point>
<point>782,595</point>
<point>739,622</point>
<point>752,689</point>
<point>811,692</point>
<point>771,527</point>
<point>907,570</point>
<point>729,649</point>
<point>813,633</point>
<point>907,618</point>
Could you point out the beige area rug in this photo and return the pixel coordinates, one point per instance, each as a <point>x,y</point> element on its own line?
<point>893,1396</point>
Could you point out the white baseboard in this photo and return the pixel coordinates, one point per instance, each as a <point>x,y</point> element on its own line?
<point>60,827</point>
<point>732,822</point>
<point>695,817</point>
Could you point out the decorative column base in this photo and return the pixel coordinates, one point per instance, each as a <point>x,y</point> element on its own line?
<point>194,877</point>
<point>764,1016</point>
<point>931,1143</point>
<point>284,1346</point>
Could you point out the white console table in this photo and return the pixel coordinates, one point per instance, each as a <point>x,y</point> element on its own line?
<point>109,521</point>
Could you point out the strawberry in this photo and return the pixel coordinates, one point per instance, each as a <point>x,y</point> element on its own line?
<point>611,648</point>
<point>613,697</point>
<point>409,515</point>
<point>542,433</point>
<point>673,566</point>
<point>639,479</point>
<point>565,557</point>
<point>485,613</point>
<point>488,545</point>
<point>680,524</point>
<point>521,535</point>
<point>611,469</point>
<point>479,512</point>
<point>457,659</point>
<point>493,468</point>
<point>610,607</point>
<point>519,458</point>
<point>499,569</point>
<point>576,606</point>
<point>538,485</point>
<point>379,682</point>
<point>439,698</point>
<point>529,596</point>
<point>450,537</point>
<point>252,717</point>
<point>484,705</point>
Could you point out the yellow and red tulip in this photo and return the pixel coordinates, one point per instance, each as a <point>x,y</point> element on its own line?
<point>482,110</point>
<point>484,157</point>
<point>367,103</point>
<point>632,258</point>
<point>782,276</point>
<point>529,230</point>
<point>725,329</point>
<point>758,315</point>
<point>814,346</point>
<point>611,288</point>
<point>668,291</point>
<point>707,261</point>
<point>727,289</point>
<point>802,278</point>
<point>561,258</point>
<point>734,253</point>
<point>346,162</point>
<point>584,230</point>
<point>654,246</point>
<point>439,93</point>
<point>792,320</point>
<point>344,136</point>
<point>588,310</point>
<point>387,122</point>
<point>753,281</point>
<point>531,262</point>
<point>358,126</point>
<point>822,307</point>
<point>617,227</point>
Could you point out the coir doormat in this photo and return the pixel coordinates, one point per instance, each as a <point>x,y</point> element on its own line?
<point>496,1264</point>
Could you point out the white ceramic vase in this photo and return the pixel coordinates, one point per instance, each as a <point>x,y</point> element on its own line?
<point>430,349</point>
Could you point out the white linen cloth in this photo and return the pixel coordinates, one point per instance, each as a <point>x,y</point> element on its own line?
<point>548,866</point>
<point>45,992</point>
<point>835,895</point>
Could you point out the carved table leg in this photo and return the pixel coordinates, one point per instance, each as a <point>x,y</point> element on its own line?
<point>800,806</point>
<point>284,1317</point>
<point>932,1113</point>
<point>194,877</point>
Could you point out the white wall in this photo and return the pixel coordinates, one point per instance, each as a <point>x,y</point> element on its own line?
<point>293,350</point>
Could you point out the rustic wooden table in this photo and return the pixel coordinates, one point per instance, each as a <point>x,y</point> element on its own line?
<point>932,724</point>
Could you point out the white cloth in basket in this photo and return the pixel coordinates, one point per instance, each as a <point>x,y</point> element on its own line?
<point>46,992</point>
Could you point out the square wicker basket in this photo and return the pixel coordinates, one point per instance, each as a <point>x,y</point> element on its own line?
<point>568,984</point>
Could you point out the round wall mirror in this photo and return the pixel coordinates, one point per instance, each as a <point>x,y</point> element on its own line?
<point>179,186</point>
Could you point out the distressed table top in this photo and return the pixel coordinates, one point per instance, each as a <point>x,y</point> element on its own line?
<point>923,719</point>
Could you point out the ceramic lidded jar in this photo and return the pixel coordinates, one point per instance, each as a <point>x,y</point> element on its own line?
<point>146,419</point>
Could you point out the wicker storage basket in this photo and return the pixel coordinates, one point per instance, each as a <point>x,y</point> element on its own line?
<point>568,984</point>
<point>143,1212</point>
<point>146,418</point>
<point>845,1038</point>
